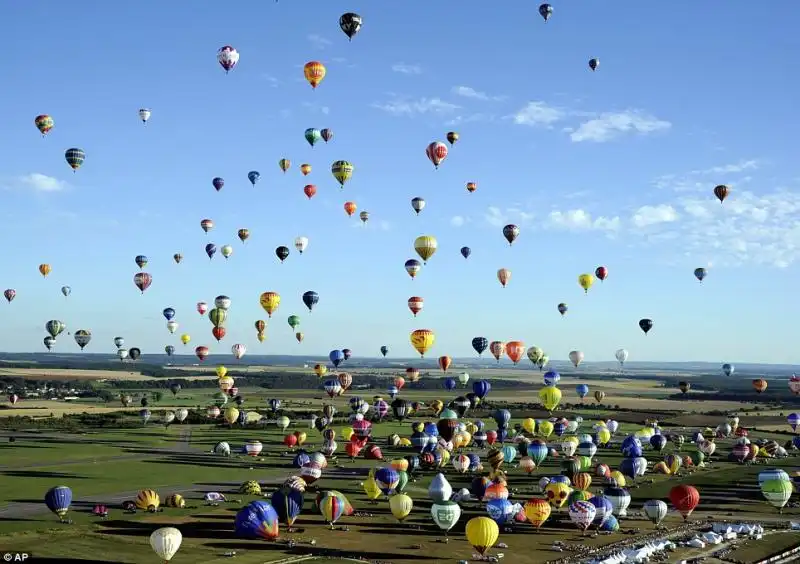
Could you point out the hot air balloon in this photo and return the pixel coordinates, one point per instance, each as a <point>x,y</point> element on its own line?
<point>422,340</point>
<point>721,192</point>
<point>49,342</point>
<point>82,337</point>
<point>144,115</point>
<point>218,183</point>
<point>350,24</point>
<point>498,349</point>
<point>759,385</point>
<point>415,304</point>
<point>471,187</point>
<point>728,369</point>
<point>585,281</point>
<point>452,137</point>
<point>201,352</point>
<point>10,294</point>
<point>350,208</point>
<point>364,216</point>
<point>66,290</point>
<point>645,325</point>
<point>206,225</point>
<point>134,353</point>
<point>141,261</point>
<point>270,302</point>
<point>282,253</point>
<point>243,234</point>
<point>300,243</point>
<point>211,250</point>
<point>465,252</point>
<point>75,158</point>
<point>436,153</point>
<point>253,176</point>
<point>238,350</point>
<point>284,164</point>
<point>384,352</point>
<point>413,266</point>
<point>58,500</point>
<point>256,520</point>
<point>309,190</point>
<point>550,396</point>
<point>700,273</point>
<point>44,123</point>
<point>342,171</point>
<point>576,357</point>
<point>177,257</point>
<point>142,280</point>
<point>327,134</point>
<point>417,204</point>
<point>310,299</point>
<point>684,499</point>
<point>480,344</point>
<point>593,64</point>
<point>314,71</point>
<point>45,269</point>
<point>482,534</point>
<point>515,350</point>
<point>545,10</point>
<point>227,57</point>
<point>312,135</point>
<point>511,232</point>
<point>165,542</point>
<point>504,276</point>
<point>426,246</point>
<point>621,356</point>
<point>444,362</point>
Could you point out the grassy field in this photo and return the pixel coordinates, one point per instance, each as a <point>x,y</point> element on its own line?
<point>110,465</point>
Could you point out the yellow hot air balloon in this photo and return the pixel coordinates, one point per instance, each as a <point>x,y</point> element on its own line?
<point>537,511</point>
<point>422,340</point>
<point>301,437</point>
<point>314,72</point>
<point>529,425</point>
<point>284,164</point>
<point>557,493</point>
<point>426,246</point>
<point>185,338</point>
<point>550,397</point>
<point>437,406</point>
<point>401,505</point>
<point>221,371</point>
<point>225,383</point>
<point>482,533</point>
<point>585,281</point>
<point>305,168</point>
<point>270,302</point>
<point>45,269</point>
<point>603,436</point>
<point>342,171</point>
<point>546,428</point>
<point>371,488</point>
<point>347,433</point>
<point>320,370</point>
<point>619,478</point>
<point>231,415</point>
<point>148,500</point>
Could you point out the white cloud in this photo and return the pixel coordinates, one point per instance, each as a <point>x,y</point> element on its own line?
<point>699,181</point>
<point>319,42</point>
<point>457,221</point>
<point>538,114</point>
<point>499,217</point>
<point>400,106</point>
<point>403,68</point>
<point>271,80</point>
<point>37,182</point>
<point>611,125</point>
<point>741,166</point>
<point>581,220</point>
<point>315,107</point>
<point>652,215</point>
<point>471,118</point>
<point>469,92</point>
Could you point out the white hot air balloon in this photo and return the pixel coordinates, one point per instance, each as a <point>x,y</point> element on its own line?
<point>172,326</point>
<point>169,417</point>
<point>238,350</point>
<point>656,510</point>
<point>440,489</point>
<point>222,302</point>
<point>622,356</point>
<point>300,243</point>
<point>226,250</point>
<point>122,353</point>
<point>576,357</point>
<point>165,542</point>
<point>181,414</point>
<point>144,115</point>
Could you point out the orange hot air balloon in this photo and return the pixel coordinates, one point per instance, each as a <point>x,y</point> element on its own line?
<point>45,269</point>
<point>759,385</point>
<point>310,190</point>
<point>445,362</point>
<point>515,350</point>
<point>345,380</point>
<point>305,168</point>
<point>415,304</point>
<point>412,374</point>
<point>504,275</point>
<point>314,72</point>
<point>399,381</point>
<point>350,208</point>
<point>472,186</point>
<point>498,349</point>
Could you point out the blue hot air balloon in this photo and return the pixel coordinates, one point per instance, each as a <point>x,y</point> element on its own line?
<point>58,500</point>
<point>794,420</point>
<point>465,252</point>
<point>582,390</point>
<point>501,511</point>
<point>311,299</point>
<point>449,384</point>
<point>384,350</point>
<point>387,479</point>
<point>300,459</point>
<point>551,378</point>
<point>253,176</point>
<point>502,417</point>
<point>336,357</point>
<point>274,404</point>
<point>480,344</point>
<point>211,249</point>
<point>287,503</point>
<point>658,442</point>
<point>258,519</point>
<point>168,313</point>
<point>481,388</point>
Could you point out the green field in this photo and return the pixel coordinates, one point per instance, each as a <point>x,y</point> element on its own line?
<point>109,465</point>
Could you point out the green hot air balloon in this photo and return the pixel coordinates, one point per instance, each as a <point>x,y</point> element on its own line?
<point>294,321</point>
<point>54,327</point>
<point>313,136</point>
<point>445,514</point>
<point>777,492</point>
<point>218,317</point>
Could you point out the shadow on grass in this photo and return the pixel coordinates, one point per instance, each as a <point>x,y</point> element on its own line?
<point>37,474</point>
<point>328,552</point>
<point>195,529</point>
<point>61,560</point>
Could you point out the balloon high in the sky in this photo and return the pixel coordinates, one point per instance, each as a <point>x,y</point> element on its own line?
<point>546,11</point>
<point>417,204</point>
<point>228,58</point>
<point>315,72</point>
<point>436,153</point>
<point>721,192</point>
<point>44,123</point>
<point>350,24</point>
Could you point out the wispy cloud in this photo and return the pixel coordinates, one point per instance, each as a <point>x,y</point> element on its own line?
<point>652,215</point>
<point>581,220</point>
<point>319,42</point>
<point>459,220</point>
<point>316,107</point>
<point>407,107</point>
<point>699,180</point>
<point>404,68</point>
<point>271,81</point>
<point>373,224</point>
<point>469,92</point>
<point>35,182</point>
<point>471,118</point>
<point>499,217</point>
<point>598,128</point>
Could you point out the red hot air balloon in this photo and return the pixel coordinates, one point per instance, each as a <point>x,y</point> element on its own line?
<point>310,190</point>
<point>436,152</point>
<point>445,362</point>
<point>10,294</point>
<point>601,272</point>
<point>142,281</point>
<point>415,304</point>
<point>515,350</point>
<point>684,498</point>
<point>201,352</point>
<point>219,333</point>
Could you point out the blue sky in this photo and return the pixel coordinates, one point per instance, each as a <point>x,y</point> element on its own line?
<point>614,168</point>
